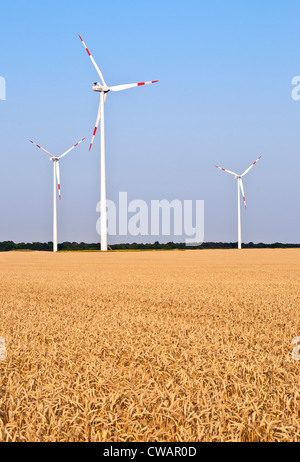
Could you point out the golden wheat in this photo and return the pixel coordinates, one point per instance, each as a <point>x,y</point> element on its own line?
<point>150,346</point>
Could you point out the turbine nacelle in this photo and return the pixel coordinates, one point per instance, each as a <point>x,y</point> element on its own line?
<point>54,159</point>
<point>98,87</point>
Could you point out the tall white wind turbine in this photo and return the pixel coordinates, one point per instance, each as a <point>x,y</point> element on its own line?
<point>104,89</point>
<point>240,188</point>
<point>56,178</point>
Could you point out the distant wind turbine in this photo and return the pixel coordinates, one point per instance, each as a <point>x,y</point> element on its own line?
<point>240,188</point>
<point>104,89</point>
<point>56,177</point>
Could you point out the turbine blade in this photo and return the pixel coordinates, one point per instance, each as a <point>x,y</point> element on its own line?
<point>228,171</point>
<point>130,85</point>
<point>242,190</point>
<point>42,148</point>
<point>246,171</point>
<point>71,148</point>
<point>97,122</point>
<point>94,63</point>
<point>58,178</point>
<point>96,126</point>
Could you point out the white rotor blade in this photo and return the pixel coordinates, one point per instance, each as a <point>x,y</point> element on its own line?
<point>242,190</point>
<point>96,126</point>
<point>228,171</point>
<point>97,122</point>
<point>58,178</point>
<point>42,148</point>
<point>71,148</point>
<point>130,85</point>
<point>94,62</point>
<point>246,171</point>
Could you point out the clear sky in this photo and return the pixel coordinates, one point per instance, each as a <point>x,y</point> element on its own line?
<point>225,71</point>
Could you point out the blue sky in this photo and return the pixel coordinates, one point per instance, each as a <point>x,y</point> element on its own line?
<point>225,71</point>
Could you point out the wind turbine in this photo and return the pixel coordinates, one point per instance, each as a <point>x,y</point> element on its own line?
<point>56,177</point>
<point>104,89</point>
<point>240,188</point>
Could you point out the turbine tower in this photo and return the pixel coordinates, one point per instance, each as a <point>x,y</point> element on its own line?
<point>56,177</point>
<point>240,188</point>
<point>103,89</point>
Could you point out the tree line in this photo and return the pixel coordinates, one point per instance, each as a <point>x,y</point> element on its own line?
<point>6,246</point>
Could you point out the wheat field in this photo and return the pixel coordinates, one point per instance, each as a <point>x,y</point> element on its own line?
<point>168,346</point>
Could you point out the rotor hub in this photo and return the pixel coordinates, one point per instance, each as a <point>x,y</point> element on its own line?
<point>98,87</point>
